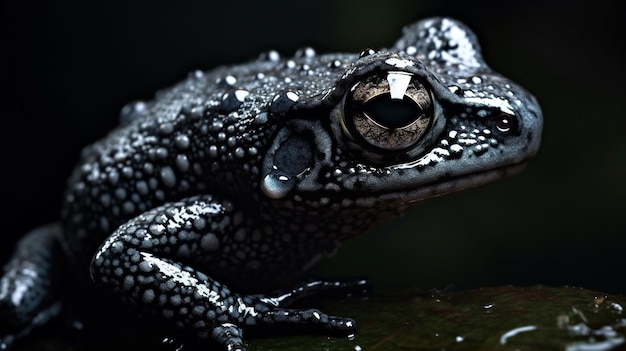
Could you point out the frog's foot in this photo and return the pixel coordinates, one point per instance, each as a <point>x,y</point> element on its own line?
<point>27,287</point>
<point>230,334</point>
<point>249,311</point>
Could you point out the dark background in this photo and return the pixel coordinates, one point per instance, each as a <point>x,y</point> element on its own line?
<point>69,66</point>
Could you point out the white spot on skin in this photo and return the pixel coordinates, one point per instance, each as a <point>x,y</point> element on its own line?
<point>456,148</point>
<point>436,155</point>
<point>464,53</point>
<point>179,216</point>
<point>399,63</point>
<point>467,141</point>
<point>494,101</point>
<point>292,96</point>
<point>21,286</point>
<point>245,310</point>
<point>182,277</point>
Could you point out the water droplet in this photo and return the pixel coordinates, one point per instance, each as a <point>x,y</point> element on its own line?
<point>291,64</point>
<point>366,52</point>
<point>240,152</point>
<point>476,80</point>
<point>213,151</point>
<point>411,50</point>
<point>261,118</point>
<point>307,52</point>
<point>227,81</point>
<point>253,151</point>
<point>196,112</point>
<point>283,101</point>
<point>231,100</point>
<point>185,109</point>
<point>132,111</point>
<point>334,64</point>
<point>197,74</point>
<point>272,56</point>
<point>480,149</point>
<point>277,186</point>
<point>456,150</point>
<point>166,128</point>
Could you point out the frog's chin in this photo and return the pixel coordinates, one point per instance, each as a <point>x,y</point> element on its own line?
<point>434,189</point>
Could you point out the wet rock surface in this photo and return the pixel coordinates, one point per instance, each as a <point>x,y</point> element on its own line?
<point>491,318</point>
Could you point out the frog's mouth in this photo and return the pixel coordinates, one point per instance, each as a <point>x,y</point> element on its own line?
<point>446,186</point>
<point>399,199</point>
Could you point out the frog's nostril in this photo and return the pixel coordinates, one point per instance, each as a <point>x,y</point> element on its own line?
<point>506,123</point>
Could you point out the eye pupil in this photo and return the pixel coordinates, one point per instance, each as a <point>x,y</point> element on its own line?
<point>391,113</point>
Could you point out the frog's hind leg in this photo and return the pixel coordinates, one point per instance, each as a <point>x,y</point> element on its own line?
<point>28,286</point>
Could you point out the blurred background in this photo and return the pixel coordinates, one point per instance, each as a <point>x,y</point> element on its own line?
<point>69,66</point>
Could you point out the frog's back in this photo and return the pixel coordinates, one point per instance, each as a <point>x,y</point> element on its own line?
<point>206,134</point>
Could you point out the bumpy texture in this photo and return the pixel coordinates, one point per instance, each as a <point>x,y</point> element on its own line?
<point>235,182</point>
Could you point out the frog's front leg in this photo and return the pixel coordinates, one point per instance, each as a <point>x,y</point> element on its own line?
<point>29,286</point>
<point>149,263</point>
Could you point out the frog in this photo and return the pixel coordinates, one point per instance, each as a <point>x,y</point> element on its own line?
<point>207,208</point>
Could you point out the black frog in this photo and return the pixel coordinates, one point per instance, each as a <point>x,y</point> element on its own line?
<point>208,205</point>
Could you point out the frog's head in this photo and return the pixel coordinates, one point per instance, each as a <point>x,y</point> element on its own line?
<point>426,118</point>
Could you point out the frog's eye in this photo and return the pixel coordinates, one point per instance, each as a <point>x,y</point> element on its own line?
<point>389,111</point>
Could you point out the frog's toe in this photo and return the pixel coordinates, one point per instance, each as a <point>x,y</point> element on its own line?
<point>320,287</point>
<point>309,317</point>
<point>229,335</point>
